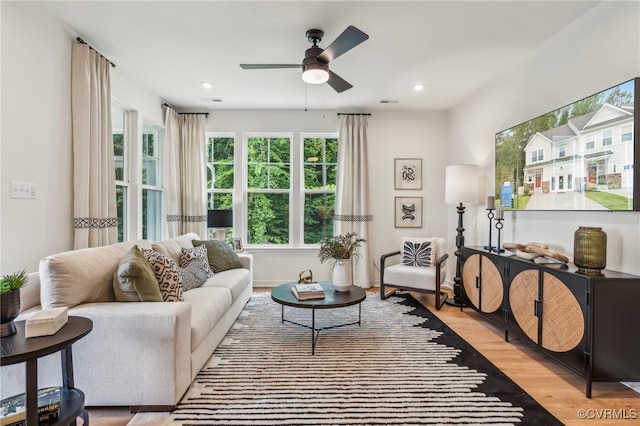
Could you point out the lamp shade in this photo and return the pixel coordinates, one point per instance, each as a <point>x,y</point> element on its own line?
<point>220,219</point>
<point>461,184</point>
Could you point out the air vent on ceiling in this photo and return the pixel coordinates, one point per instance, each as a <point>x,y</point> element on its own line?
<point>388,101</point>
<point>211,99</point>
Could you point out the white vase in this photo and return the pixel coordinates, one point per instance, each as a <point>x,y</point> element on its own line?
<point>342,275</point>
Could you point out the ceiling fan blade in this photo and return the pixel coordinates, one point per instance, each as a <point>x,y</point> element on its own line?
<point>268,66</point>
<point>350,38</point>
<point>338,83</point>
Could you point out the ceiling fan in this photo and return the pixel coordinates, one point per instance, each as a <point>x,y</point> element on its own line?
<point>315,65</point>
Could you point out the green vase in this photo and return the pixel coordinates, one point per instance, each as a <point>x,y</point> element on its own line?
<point>590,249</point>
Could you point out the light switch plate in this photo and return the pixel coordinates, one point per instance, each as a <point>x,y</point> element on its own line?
<point>23,190</point>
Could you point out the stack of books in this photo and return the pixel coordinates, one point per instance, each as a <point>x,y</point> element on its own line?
<point>308,291</point>
<point>12,409</point>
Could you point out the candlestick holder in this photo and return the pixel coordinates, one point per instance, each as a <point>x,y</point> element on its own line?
<point>499,226</point>
<point>490,215</point>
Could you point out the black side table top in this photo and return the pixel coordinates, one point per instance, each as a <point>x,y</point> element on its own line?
<point>332,298</point>
<point>18,348</point>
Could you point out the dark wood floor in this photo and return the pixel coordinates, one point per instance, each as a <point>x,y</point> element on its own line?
<point>557,389</point>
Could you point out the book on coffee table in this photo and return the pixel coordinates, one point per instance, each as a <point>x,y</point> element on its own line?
<point>308,291</point>
<point>12,409</point>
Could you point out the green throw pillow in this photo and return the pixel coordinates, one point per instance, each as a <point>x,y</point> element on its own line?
<point>134,280</point>
<point>221,255</point>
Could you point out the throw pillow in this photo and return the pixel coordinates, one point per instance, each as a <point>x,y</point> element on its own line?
<point>167,274</point>
<point>134,280</point>
<point>221,255</point>
<point>420,252</point>
<point>197,255</point>
<point>193,276</point>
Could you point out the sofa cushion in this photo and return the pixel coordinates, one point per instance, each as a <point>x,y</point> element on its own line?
<point>167,274</point>
<point>193,276</point>
<point>81,276</point>
<point>235,280</point>
<point>208,305</point>
<point>134,280</point>
<point>172,247</point>
<point>221,255</point>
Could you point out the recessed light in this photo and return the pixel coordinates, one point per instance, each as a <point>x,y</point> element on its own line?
<point>207,84</point>
<point>418,87</point>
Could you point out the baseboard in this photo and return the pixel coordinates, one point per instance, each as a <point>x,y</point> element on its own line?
<point>151,408</point>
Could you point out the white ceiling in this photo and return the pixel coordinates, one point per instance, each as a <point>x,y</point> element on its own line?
<point>452,47</point>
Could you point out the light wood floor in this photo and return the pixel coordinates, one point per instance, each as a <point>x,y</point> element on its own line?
<point>557,389</point>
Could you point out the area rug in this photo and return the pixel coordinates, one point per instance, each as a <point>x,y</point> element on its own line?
<point>401,366</point>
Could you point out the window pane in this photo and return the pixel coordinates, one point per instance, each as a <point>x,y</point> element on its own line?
<point>268,163</point>
<point>268,218</point>
<point>150,155</point>
<point>151,211</point>
<point>332,150</point>
<point>118,122</point>
<point>121,208</point>
<point>222,177</point>
<point>220,201</point>
<point>220,162</point>
<point>318,217</point>
<point>222,150</point>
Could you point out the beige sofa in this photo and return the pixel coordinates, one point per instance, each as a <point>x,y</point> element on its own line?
<point>139,354</point>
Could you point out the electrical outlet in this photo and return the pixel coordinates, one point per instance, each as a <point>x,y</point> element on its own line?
<point>23,190</point>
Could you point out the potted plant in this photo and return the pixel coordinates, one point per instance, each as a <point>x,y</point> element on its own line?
<point>340,251</point>
<point>10,286</point>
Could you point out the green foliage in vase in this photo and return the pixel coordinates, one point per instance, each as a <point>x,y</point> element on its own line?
<point>340,247</point>
<point>13,282</point>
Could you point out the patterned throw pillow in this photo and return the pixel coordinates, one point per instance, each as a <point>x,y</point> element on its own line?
<point>197,254</point>
<point>418,253</point>
<point>194,266</point>
<point>168,275</point>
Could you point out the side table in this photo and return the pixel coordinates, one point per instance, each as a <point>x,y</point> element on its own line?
<point>17,348</point>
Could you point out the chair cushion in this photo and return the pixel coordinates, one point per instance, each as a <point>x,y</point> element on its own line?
<point>418,251</point>
<point>423,278</point>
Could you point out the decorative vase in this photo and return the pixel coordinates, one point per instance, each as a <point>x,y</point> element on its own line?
<point>590,249</point>
<point>9,310</point>
<point>342,276</point>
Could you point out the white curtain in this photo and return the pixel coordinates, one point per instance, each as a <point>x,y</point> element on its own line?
<point>95,219</point>
<point>185,201</point>
<point>352,190</point>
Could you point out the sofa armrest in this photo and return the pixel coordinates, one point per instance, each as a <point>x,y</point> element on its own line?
<point>247,261</point>
<point>30,293</point>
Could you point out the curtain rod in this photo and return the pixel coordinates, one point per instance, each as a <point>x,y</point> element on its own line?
<point>79,40</point>
<point>192,113</point>
<point>354,113</point>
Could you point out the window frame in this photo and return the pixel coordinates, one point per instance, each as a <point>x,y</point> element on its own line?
<point>147,187</point>
<point>125,183</point>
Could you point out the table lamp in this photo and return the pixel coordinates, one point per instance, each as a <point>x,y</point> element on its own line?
<point>220,220</point>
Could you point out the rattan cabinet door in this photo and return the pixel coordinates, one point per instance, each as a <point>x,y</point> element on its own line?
<point>523,294</point>
<point>482,283</point>
<point>562,320</point>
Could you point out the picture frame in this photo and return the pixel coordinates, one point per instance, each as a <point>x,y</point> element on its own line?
<point>408,212</point>
<point>408,173</point>
<point>581,156</point>
<point>237,244</point>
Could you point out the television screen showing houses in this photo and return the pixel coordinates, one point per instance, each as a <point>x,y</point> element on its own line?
<point>578,157</point>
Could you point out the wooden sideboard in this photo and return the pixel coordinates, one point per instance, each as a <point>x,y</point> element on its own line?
<point>588,323</point>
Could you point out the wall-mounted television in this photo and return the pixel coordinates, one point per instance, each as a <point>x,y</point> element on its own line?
<point>578,157</point>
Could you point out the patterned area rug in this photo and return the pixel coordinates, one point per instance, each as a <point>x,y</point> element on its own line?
<point>402,366</point>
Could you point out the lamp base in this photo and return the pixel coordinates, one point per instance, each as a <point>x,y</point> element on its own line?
<point>220,234</point>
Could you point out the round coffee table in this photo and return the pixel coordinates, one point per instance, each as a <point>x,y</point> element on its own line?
<point>332,299</point>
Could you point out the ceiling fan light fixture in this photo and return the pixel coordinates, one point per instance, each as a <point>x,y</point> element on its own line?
<point>315,74</point>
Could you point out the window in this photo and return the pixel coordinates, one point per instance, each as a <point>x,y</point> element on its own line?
<point>220,171</point>
<point>120,128</point>
<point>570,181</point>
<point>591,144</point>
<point>537,155</point>
<point>626,132</point>
<point>268,189</point>
<point>151,183</point>
<point>562,151</point>
<point>606,137</point>
<point>320,166</point>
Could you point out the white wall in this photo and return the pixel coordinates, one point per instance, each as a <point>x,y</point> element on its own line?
<point>391,135</point>
<point>599,50</point>
<point>36,132</point>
